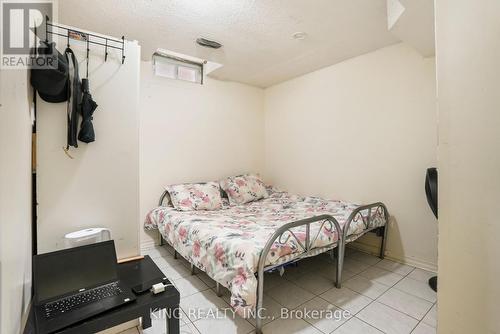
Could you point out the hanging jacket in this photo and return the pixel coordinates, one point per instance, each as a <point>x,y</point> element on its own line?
<point>87,134</point>
<point>74,99</point>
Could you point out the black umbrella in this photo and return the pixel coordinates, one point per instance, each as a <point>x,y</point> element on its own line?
<point>87,134</point>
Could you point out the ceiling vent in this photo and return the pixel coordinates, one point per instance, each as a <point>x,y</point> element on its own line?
<point>208,43</point>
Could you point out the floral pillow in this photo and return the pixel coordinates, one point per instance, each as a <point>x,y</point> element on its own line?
<point>195,196</point>
<point>244,188</point>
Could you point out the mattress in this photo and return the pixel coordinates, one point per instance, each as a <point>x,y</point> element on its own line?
<point>227,243</point>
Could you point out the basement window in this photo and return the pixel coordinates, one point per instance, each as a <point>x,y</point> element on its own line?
<point>177,68</point>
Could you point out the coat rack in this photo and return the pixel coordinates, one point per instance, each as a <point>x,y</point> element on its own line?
<point>108,43</point>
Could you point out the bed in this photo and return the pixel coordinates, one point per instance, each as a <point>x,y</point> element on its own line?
<point>237,244</point>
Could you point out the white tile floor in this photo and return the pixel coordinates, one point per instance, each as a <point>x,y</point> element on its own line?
<point>382,296</point>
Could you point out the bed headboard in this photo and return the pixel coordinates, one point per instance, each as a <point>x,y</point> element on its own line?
<point>162,198</point>
<point>165,196</point>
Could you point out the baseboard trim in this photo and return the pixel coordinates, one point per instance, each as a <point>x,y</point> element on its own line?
<point>147,244</point>
<point>374,250</point>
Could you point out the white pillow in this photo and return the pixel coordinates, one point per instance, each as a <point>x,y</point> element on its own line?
<point>244,188</point>
<point>195,196</point>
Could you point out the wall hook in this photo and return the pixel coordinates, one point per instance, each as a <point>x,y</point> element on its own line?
<point>88,51</point>
<point>123,49</point>
<point>57,30</point>
<point>46,28</point>
<point>106,51</point>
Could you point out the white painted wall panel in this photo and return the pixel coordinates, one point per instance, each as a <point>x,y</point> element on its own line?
<point>468,72</point>
<point>193,133</point>
<point>100,186</point>
<point>363,130</point>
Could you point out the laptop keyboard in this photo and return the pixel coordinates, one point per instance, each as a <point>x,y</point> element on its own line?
<point>81,299</point>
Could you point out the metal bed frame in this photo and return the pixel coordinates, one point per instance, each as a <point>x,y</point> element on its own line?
<point>284,233</point>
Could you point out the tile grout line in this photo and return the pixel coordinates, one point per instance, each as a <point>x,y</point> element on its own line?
<point>229,305</point>
<point>389,306</point>
<point>433,302</point>
<point>403,276</point>
<point>373,300</point>
<point>428,313</point>
<point>192,323</point>
<point>333,332</point>
<point>187,318</point>
<point>394,287</point>
<point>283,306</point>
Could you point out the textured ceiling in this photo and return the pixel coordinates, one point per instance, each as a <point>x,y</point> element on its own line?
<point>258,47</point>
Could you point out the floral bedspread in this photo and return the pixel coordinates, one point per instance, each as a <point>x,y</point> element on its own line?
<point>227,243</point>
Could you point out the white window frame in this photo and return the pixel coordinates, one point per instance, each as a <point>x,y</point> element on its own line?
<point>177,63</point>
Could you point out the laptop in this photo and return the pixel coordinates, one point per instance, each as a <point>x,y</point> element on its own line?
<point>74,284</point>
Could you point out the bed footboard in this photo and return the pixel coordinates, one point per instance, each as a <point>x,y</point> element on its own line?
<point>164,195</point>
<point>368,215</point>
<point>282,235</point>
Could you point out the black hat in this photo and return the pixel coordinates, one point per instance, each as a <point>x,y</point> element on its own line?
<point>51,83</point>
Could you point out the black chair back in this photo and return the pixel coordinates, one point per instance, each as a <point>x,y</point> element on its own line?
<point>431,189</point>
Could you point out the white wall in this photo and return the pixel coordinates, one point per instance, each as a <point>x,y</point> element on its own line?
<point>192,133</point>
<point>100,186</point>
<point>468,68</point>
<point>363,130</point>
<point>15,200</point>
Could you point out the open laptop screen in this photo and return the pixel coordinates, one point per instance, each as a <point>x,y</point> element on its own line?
<point>70,270</point>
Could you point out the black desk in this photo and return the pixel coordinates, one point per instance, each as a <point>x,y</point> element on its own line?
<point>140,308</point>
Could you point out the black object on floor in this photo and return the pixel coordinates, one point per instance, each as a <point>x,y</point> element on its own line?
<point>431,190</point>
<point>433,283</point>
